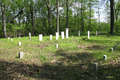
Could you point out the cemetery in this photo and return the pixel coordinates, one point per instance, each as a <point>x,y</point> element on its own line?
<point>59,40</point>
<point>48,57</point>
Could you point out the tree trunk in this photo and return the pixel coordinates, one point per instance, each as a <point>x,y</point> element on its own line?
<point>3,19</point>
<point>67,13</point>
<point>111,17</point>
<point>82,21</point>
<point>58,16</point>
<point>90,17</point>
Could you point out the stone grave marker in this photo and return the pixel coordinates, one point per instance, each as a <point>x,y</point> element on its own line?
<point>11,39</point>
<point>19,36</point>
<point>96,33</point>
<point>40,37</point>
<point>112,49</point>
<point>78,33</point>
<point>56,45</point>
<point>56,35</point>
<point>72,35</point>
<point>62,34</point>
<point>8,37</point>
<point>50,37</point>
<point>29,36</point>
<point>21,55</point>
<point>67,32</point>
<point>105,57</point>
<point>88,34</point>
<point>19,43</point>
<point>95,66</point>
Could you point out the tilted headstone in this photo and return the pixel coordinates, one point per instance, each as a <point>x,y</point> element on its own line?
<point>21,55</point>
<point>62,35</point>
<point>57,35</point>
<point>95,66</point>
<point>67,32</point>
<point>40,37</point>
<point>19,43</point>
<point>29,36</point>
<point>50,37</point>
<point>96,33</point>
<point>105,57</point>
<point>56,45</point>
<point>78,33</point>
<point>88,34</point>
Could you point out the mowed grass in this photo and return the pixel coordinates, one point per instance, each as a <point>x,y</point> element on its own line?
<point>72,60</point>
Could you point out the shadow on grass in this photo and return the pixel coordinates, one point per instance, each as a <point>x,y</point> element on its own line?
<point>74,66</point>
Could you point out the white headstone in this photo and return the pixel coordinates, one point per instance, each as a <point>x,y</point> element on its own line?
<point>95,66</point>
<point>8,37</point>
<point>72,35</point>
<point>56,45</point>
<point>62,35</point>
<point>112,49</point>
<point>19,43</point>
<point>105,57</point>
<point>56,35</point>
<point>11,39</point>
<point>67,33</point>
<point>21,55</point>
<point>88,34</point>
<point>50,37</point>
<point>29,35</point>
<point>96,33</point>
<point>40,37</point>
<point>78,33</point>
<point>19,36</point>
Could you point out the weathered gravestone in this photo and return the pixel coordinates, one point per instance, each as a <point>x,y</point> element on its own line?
<point>95,66</point>
<point>21,55</point>
<point>19,43</point>
<point>40,37</point>
<point>11,39</point>
<point>78,33</point>
<point>67,32</point>
<point>96,33</point>
<point>105,57</point>
<point>8,37</point>
<point>57,35</point>
<point>50,37</point>
<point>88,34</point>
<point>29,36</point>
<point>56,45</point>
<point>62,34</point>
<point>112,49</point>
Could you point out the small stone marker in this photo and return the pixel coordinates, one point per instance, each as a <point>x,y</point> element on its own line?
<point>50,37</point>
<point>56,35</point>
<point>40,37</point>
<point>72,35</point>
<point>19,36</point>
<point>88,34</point>
<point>95,66</point>
<point>67,34</point>
<point>112,49</point>
<point>29,36</point>
<point>21,55</point>
<point>117,43</point>
<point>8,37</point>
<point>56,45</point>
<point>62,34</point>
<point>11,39</point>
<point>105,57</point>
<point>96,33</point>
<point>78,33</point>
<point>19,43</point>
<point>77,40</point>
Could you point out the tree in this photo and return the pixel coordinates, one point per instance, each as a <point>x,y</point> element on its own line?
<point>3,18</point>
<point>58,16</point>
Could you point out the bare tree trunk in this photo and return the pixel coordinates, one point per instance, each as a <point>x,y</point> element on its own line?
<point>90,17</point>
<point>58,16</point>
<point>111,17</point>
<point>67,13</point>
<point>3,19</point>
<point>82,22</point>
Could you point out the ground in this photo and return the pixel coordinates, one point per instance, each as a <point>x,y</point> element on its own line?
<point>73,60</point>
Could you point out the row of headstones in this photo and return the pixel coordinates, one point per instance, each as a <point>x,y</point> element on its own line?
<point>114,47</point>
<point>62,35</point>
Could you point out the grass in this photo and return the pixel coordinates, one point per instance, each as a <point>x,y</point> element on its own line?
<point>72,60</point>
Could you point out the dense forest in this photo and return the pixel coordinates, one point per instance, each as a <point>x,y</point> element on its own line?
<point>19,17</point>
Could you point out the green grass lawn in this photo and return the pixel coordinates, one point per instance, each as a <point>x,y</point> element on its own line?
<point>72,60</point>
